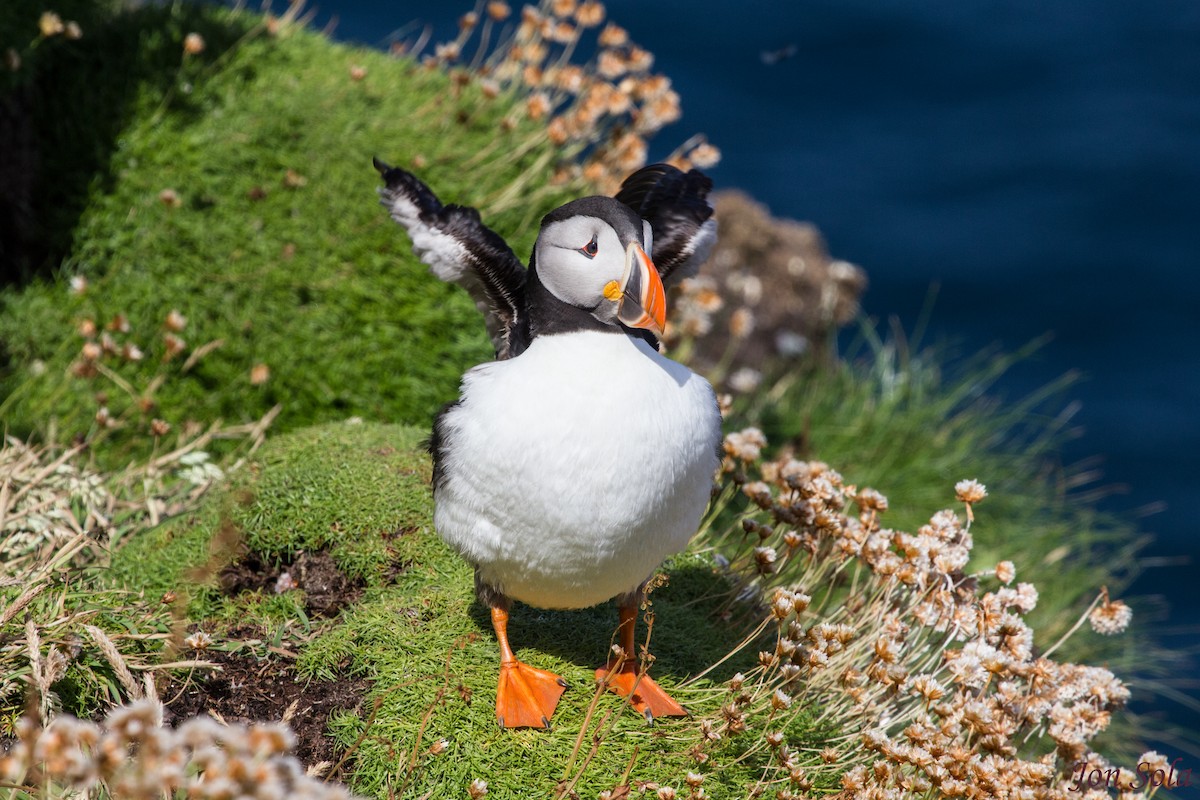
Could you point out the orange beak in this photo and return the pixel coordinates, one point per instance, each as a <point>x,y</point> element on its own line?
<point>643,302</point>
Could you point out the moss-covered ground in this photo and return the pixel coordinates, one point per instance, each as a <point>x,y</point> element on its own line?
<point>417,633</point>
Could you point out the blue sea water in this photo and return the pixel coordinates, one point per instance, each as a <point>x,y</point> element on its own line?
<point>1038,161</point>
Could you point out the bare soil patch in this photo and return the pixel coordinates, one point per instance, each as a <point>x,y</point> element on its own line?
<point>327,590</point>
<point>249,689</point>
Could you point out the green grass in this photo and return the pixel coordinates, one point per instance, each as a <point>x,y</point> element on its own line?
<point>420,637</point>
<point>295,497</point>
<point>313,280</point>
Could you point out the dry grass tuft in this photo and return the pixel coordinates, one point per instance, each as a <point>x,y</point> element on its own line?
<point>59,519</point>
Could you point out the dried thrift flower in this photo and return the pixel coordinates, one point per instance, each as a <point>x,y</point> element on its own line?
<point>198,641</point>
<point>50,24</point>
<point>1110,617</point>
<point>193,44</point>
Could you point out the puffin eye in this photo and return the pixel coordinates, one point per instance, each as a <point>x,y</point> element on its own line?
<point>590,249</point>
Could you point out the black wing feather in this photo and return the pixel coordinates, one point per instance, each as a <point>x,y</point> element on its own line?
<point>459,248</point>
<point>676,206</point>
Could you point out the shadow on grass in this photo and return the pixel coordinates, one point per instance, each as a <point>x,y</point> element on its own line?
<point>62,115</point>
<point>688,635</point>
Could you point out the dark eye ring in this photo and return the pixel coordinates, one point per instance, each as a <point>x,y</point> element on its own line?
<point>590,249</point>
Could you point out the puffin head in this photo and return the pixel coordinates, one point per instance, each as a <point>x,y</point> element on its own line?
<point>591,254</point>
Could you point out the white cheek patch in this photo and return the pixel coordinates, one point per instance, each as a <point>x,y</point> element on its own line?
<point>565,279</point>
<point>567,272</point>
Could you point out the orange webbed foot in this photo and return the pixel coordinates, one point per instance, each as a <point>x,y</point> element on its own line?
<point>526,696</point>
<point>650,699</point>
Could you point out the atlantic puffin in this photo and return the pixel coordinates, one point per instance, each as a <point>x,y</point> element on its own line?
<point>580,458</point>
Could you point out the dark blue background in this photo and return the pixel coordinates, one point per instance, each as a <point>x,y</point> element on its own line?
<point>1040,161</point>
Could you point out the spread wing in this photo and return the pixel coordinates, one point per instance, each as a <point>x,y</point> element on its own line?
<point>675,203</point>
<point>459,248</point>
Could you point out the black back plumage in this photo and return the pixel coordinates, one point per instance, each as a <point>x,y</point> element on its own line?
<point>675,203</point>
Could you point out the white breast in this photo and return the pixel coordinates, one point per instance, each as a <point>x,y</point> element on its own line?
<point>574,469</point>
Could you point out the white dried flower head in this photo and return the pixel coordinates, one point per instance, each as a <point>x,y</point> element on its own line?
<point>1027,597</point>
<point>104,418</point>
<point>198,640</point>
<point>293,179</point>
<point>871,500</point>
<point>175,321</point>
<point>708,730</point>
<point>665,793</point>
<point>108,344</point>
<point>477,789</point>
<point>589,14</point>
<point>1005,572</point>
<point>781,700</point>
<point>759,492</point>
<point>193,44</point>
<point>970,491</point>
<point>705,156</point>
<point>765,558</point>
<point>613,36</point>
<point>538,105</point>
<point>1110,617</point>
<point>50,24</point>
<point>741,323</point>
<point>745,380</point>
<point>1151,761</point>
<point>173,345</point>
<point>745,445</point>
<point>79,284</point>
<point>800,602</point>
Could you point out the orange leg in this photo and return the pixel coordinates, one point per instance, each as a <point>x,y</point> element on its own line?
<point>525,696</point>
<point>628,681</point>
